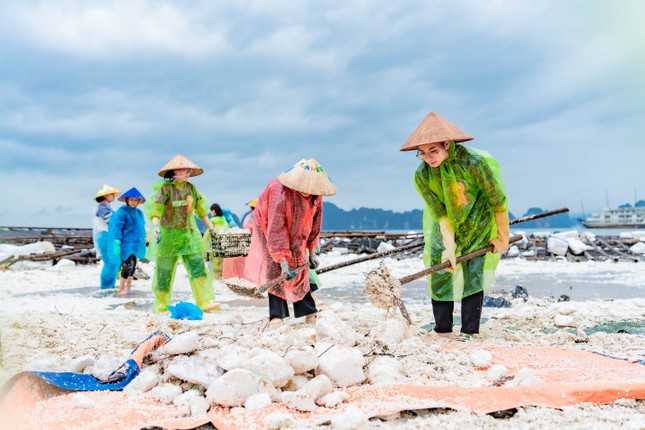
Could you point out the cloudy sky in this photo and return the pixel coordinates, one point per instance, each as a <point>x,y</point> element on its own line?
<point>107,92</point>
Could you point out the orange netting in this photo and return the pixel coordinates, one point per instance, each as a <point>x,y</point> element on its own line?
<point>568,377</point>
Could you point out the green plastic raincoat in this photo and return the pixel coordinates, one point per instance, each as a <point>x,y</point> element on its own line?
<point>176,204</point>
<point>468,189</point>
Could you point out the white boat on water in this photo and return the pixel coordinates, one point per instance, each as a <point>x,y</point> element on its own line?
<point>617,218</point>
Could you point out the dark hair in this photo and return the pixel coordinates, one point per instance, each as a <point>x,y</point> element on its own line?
<point>217,209</point>
<point>99,199</point>
<point>169,175</point>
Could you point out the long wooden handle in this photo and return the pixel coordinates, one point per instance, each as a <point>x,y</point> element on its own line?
<point>460,259</point>
<point>419,245</point>
<point>540,215</point>
<point>369,257</point>
<point>266,287</point>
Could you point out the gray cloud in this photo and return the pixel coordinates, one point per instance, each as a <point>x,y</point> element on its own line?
<point>108,92</point>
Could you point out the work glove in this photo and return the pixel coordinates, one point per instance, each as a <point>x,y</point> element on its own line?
<point>117,248</point>
<point>448,240</point>
<point>212,232</point>
<point>500,243</point>
<point>314,262</point>
<point>157,233</point>
<point>287,270</point>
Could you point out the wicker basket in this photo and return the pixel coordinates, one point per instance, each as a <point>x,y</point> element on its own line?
<point>231,245</point>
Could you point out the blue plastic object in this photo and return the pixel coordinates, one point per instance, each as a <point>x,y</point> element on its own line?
<point>186,311</point>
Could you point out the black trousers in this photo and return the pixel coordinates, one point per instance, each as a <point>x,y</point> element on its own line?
<point>471,312</point>
<point>279,308</point>
<point>128,266</point>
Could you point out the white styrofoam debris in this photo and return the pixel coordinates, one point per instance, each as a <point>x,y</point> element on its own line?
<point>385,370</point>
<point>79,364</point>
<point>496,372</point>
<point>144,382</point>
<point>269,366</point>
<point>278,420</point>
<point>257,401</point>
<point>332,400</point>
<point>343,365</point>
<point>513,251</point>
<point>563,321</point>
<point>165,393</point>
<point>329,326</point>
<point>200,368</point>
<point>183,343</point>
<point>638,248</point>
<point>391,332</point>
<point>352,419</point>
<point>302,360</point>
<point>317,387</point>
<point>192,403</point>
<point>557,246</point>
<point>385,246</point>
<point>481,358</point>
<point>235,386</point>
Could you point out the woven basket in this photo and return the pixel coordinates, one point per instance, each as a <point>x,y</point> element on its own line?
<point>231,245</point>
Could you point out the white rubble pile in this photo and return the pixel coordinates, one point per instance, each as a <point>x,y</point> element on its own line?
<point>7,250</point>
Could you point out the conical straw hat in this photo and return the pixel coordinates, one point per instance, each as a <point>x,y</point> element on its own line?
<point>181,162</point>
<point>434,129</point>
<point>308,176</point>
<point>105,190</point>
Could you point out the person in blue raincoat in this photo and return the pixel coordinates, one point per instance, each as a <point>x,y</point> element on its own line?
<point>102,215</point>
<point>127,233</point>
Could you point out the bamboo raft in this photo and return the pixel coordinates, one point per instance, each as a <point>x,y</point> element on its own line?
<point>76,244</point>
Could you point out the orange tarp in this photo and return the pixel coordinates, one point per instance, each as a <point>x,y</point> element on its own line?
<point>569,377</point>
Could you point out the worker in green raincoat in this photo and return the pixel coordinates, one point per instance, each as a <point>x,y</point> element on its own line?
<point>172,212</point>
<point>465,210</point>
<point>220,225</point>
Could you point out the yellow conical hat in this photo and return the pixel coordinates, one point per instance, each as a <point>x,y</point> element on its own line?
<point>181,162</point>
<point>105,190</point>
<point>308,176</point>
<point>434,129</point>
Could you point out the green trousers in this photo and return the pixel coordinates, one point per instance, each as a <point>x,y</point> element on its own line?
<point>200,283</point>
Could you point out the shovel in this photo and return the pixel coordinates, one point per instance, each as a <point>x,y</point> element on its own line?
<point>384,291</point>
<point>248,289</point>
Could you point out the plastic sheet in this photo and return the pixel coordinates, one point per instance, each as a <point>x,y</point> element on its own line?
<point>569,377</point>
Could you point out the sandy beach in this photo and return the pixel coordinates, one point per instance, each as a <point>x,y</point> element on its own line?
<point>55,318</point>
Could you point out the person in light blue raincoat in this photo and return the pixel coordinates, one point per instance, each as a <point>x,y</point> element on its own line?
<point>102,215</point>
<point>127,234</point>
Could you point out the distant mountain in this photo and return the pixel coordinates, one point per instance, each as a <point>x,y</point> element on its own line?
<point>335,218</point>
<point>638,204</point>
